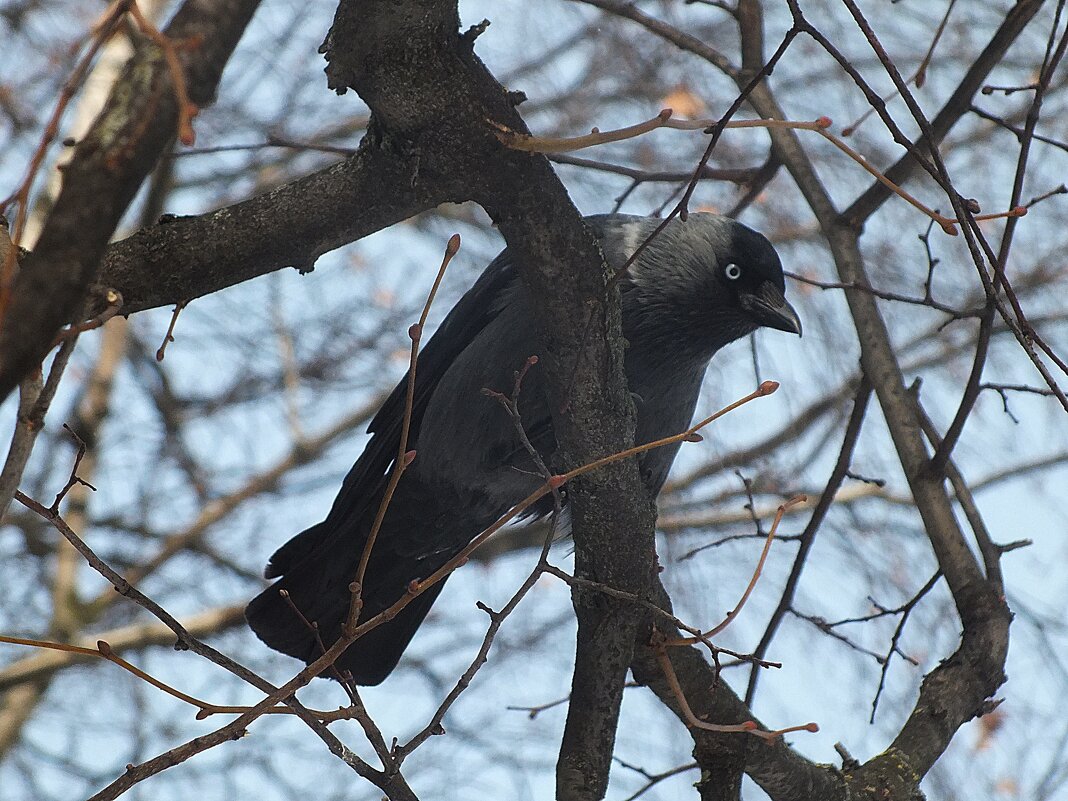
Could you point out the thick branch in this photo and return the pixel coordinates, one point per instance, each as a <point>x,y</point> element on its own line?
<point>958,104</point>
<point>784,774</point>
<point>109,165</point>
<point>956,690</point>
<point>430,95</point>
<point>291,226</point>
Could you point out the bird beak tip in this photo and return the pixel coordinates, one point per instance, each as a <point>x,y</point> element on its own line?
<point>791,320</point>
<point>771,309</point>
<point>786,320</point>
<point>782,316</point>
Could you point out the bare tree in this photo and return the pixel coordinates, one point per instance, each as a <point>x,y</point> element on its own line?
<point>907,160</point>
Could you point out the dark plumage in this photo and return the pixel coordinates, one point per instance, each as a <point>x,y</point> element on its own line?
<point>698,286</point>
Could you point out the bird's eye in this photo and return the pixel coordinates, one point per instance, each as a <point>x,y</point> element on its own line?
<point>733,272</point>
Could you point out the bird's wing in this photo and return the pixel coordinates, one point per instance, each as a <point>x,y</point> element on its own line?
<point>479,306</point>
<point>473,312</point>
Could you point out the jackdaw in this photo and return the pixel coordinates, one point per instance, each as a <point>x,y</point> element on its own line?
<point>697,286</point>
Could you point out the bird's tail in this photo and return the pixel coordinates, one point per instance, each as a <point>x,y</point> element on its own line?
<point>317,568</point>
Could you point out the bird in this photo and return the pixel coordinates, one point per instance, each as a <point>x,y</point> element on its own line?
<point>694,287</point>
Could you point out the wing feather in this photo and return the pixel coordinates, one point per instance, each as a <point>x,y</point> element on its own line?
<point>365,481</point>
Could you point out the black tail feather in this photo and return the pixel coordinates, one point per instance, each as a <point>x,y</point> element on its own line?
<point>370,659</point>
<point>317,582</point>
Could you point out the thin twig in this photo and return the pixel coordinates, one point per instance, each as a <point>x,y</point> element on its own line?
<point>733,614</point>
<point>169,336</point>
<point>114,301</point>
<point>653,779</point>
<point>746,727</point>
<point>545,145</point>
<point>808,536</point>
<point>919,77</point>
<point>187,110</point>
<point>404,456</point>
<point>534,711</point>
<point>905,611</point>
<point>205,709</point>
<point>99,33</point>
<point>74,478</point>
<point>274,695</point>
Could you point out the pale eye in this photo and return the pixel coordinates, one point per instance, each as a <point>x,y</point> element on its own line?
<point>733,272</point>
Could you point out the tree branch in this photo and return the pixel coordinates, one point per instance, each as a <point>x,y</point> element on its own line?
<point>187,257</point>
<point>955,691</point>
<point>109,165</point>
<point>127,638</point>
<point>429,94</point>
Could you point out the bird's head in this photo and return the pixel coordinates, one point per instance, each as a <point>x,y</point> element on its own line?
<point>751,273</point>
<point>699,284</point>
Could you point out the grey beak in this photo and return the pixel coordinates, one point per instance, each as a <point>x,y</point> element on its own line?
<point>768,306</point>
